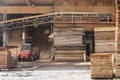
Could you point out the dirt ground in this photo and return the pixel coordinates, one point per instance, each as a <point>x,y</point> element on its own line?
<point>45,70</point>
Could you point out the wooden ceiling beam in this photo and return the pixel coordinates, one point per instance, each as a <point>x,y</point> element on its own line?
<point>25,9</point>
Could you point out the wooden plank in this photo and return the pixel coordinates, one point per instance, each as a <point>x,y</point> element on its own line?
<point>96,29</point>
<point>26,9</point>
<point>69,59</point>
<point>101,57</point>
<point>85,9</point>
<point>104,48</point>
<point>101,64</point>
<point>71,51</point>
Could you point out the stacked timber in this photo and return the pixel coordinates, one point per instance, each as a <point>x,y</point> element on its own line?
<point>70,55</point>
<point>102,65</point>
<point>8,59</point>
<point>68,36</point>
<point>68,44</point>
<point>117,73</point>
<point>104,39</point>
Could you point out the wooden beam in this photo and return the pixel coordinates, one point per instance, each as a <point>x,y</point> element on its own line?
<point>26,9</point>
<point>110,9</point>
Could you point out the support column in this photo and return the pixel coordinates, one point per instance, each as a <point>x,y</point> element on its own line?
<point>5,39</point>
<point>23,36</point>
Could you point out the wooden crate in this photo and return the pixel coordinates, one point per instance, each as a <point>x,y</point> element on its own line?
<point>70,55</point>
<point>7,59</point>
<point>101,65</point>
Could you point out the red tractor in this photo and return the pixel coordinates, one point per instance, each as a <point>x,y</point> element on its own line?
<point>27,53</point>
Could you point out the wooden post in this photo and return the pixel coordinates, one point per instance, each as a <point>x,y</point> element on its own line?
<point>23,36</point>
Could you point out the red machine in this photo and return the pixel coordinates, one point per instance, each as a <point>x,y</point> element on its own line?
<point>27,53</point>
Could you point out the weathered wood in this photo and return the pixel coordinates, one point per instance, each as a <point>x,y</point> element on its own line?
<point>7,59</point>
<point>105,48</point>
<point>68,36</point>
<point>84,9</point>
<point>81,59</point>
<point>117,73</point>
<point>70,55</point>
<point>26,9</point>
<point>70,51</point>
<point>104,39</point>
<point>102,65</point>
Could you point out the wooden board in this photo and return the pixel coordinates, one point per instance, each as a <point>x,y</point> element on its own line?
<point>105,48</point>
<point>70,55</point>
<point>101,65</point>
<point>97,29</point>
<point>70,51</point>
<point>105,34</point>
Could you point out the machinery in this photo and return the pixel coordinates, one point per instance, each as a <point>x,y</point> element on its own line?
<point>28,53</point>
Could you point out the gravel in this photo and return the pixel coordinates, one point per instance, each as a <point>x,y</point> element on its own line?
<point>46,75</point>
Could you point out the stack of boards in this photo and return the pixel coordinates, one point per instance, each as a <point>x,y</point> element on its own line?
<point>8,59</point>
<point>117,73</point>
<point>102,65</point>
<point>68,44</point>
<point>104,39</point>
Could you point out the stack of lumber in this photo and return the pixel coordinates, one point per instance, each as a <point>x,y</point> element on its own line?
<point>68,44</point>
<point>117,61</point>
<point>104,39</point>
<point>117,73</point>
<point>68,36</point>
<point>7,59</point>
<point>70,55</point>
<point>102,65</point>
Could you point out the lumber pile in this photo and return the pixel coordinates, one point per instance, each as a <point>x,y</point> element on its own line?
<point>117,73</point>
<point>104,39</point>
<point>7,58</point>
<point>68,44</point>
<point>117,61</point>
<point>68,36</point>
<point>70,55</point>
<point>101,65</point>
